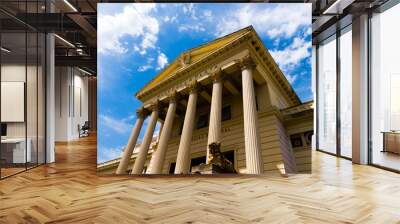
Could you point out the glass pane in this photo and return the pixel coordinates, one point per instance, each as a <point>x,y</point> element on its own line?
<point>31,98</point>
<point>13,89</point>
<point>327,96</point>
<point>345,94</point>
<point>385,86</point>
<point>31,88</point>
<point>41,98</point>
<point>22,89</point>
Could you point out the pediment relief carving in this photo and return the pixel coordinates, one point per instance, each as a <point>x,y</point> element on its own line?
<point>185,59</point>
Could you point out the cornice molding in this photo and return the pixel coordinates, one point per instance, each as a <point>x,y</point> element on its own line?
<point>190,69</point>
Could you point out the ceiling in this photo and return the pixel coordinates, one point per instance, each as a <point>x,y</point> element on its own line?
<point>75,21</point>
<point>330,15</point>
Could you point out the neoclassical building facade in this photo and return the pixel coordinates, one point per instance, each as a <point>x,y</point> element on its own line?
<point>229,91</point>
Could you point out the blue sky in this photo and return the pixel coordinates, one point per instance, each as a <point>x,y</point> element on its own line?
<point>136,41</point>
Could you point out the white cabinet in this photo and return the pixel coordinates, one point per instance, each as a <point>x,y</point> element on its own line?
<point>19,155</point>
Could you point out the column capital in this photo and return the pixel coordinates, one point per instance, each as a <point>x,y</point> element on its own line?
<point>193,86</point>
<point>215,74</point>
<point>141,112</point>
<point>246,62</point>
<point>172,96</point>
<point>155,106</point>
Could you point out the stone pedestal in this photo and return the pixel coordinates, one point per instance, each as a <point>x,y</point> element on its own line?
<point>207,169</point>
<point>217,163</point>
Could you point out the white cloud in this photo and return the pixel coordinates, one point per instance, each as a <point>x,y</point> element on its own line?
<point>291,78</point>
<point>144,68</point>
<point>150,60</point>
<point>162,61</point>
<point>290,56</point>
<point>276,42</point>
<point>170,19</point>
<point>190,10</point>
<point>196,20</point>
<point>207,15</point>
<point>157,129</point>
<point>309,31</point>
<point>108,154</point>
<point>134,21</point>
<point>282,20</point>
<point>277,23</point>
<point>191,27</point>
<point>149,41</point>
<point>130,117</point>
<point>120,126</point>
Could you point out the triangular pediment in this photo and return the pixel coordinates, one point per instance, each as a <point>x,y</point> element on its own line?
<point>188,60</point>
<point>194,55</point>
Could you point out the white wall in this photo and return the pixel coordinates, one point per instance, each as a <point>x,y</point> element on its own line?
<point>16,73</point>
<point>61,103</point>
<point>71,102</point>
<point>33,126</point>
<point>13,73</point>
<point>81,84</point>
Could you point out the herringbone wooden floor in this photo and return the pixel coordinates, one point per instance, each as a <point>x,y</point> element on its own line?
<point>69,191</point>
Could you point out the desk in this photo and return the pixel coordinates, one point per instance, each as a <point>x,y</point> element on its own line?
<point>391,141</point>
<point>13,150</point>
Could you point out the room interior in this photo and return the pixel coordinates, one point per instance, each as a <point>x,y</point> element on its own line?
<point>337,191</point>
<point>385,89</point>
<point>22,101</point>
<point>339,54</point>
<point>48,84</point>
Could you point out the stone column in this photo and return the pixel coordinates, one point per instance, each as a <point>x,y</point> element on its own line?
<point>144,146</point>
<point>214,128</point>
<point>360,90</point>
<point>158,157</point>
<point>183,159</point>
<point>50,92</point>
<point>131,142</point>
<point>254,164</point>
